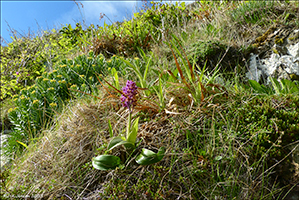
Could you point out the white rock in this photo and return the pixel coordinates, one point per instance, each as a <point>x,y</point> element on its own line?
<point>294,50</point>
<point>254,72</point>
<point>3,158</point>
<point>276,65</point>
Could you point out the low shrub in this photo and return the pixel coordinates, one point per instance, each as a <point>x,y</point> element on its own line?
<point>26,58</point>
<point>36,105</point>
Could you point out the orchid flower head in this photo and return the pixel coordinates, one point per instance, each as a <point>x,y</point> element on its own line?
<point>129,96</point>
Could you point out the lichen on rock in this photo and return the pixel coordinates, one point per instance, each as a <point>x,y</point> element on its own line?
<point>277,55</point>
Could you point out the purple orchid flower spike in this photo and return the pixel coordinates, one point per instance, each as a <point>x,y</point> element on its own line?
<point>128,99</point>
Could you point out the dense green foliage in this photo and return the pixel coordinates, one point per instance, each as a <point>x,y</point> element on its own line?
<point>278,118</point>
<point>25,58</point>
<point>36,105</point>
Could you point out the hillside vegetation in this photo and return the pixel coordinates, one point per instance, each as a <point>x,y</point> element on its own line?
<point>78,128</point>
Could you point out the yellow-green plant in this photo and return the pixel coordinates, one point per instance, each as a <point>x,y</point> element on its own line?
<point>26,58</point>
<point>36,105</point>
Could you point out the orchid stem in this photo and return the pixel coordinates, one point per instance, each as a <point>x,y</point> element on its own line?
<point>129,124</point>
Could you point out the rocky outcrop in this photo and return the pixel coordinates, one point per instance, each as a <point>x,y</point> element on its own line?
<point>5,129</point>
<point>276,55</point>
<point>4,159</point>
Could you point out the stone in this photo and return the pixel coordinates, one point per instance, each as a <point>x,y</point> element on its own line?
<point>276,56</point>
<point>4,160</point>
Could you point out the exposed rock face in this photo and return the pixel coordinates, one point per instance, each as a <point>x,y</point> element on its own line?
<point>276,55</point>
<point>5,129</point>
<point>4,160</point>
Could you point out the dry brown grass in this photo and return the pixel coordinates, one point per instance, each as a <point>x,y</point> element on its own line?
<point>54,162</point>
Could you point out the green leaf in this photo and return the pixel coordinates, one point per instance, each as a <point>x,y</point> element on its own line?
<point>258,88</point>
<point>146,68</point>
<point>23,144</point>
<point>110,128</point>
<point>135,69</point>
<point>133,132</point>
<point>255,85</point>
<point>105,162</point>
<point>148,157</point>
<point>289,86</point>
<point>115,77</point>
<point>217,158</point>
<point>277,87</point>
<point>159,92</point>
<point>117,141</point>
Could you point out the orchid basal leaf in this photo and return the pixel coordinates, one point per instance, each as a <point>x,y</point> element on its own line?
<point>277,87</point>
<point>105,162</point>
<point>148,157</point>
<point>117,141</point>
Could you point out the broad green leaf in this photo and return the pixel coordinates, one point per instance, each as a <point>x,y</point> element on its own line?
<point>105,162</point>
<point>148,157</point>
<point>257,87</point>
<point>117,141</point>
<point>290,86</point>
<point>133,132</point>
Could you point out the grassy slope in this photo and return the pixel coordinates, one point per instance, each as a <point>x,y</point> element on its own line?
<point>216,148</point>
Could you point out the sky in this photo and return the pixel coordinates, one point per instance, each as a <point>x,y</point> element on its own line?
<point>36,16</point>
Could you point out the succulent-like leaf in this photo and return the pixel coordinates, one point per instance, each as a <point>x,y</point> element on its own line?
<point>105,162</point>
<point>148,157</point>
<point>117,141</point>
